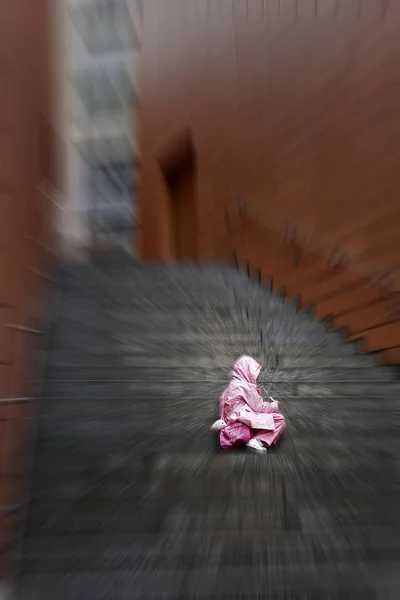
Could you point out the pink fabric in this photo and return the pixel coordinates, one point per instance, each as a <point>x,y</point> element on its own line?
<point>241,402</point>
<point>234,435</point>
<point>271,437</point>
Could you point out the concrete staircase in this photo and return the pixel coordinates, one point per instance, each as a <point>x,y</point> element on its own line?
<point>131,497</point>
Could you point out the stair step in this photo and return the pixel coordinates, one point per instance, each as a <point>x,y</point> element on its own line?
<point>194,439</point>
<point>325,362</point>
<point>173,388</point>
<point>132,496</point>
<point>79,553</point>
<point>211,584</point>
<point>320,516</point>
<point>214,371</point>
<point>88,469</point>
<point>194,357</point>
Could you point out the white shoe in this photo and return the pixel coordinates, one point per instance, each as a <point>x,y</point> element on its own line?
<point>256,446</point>
<point>218,425</point>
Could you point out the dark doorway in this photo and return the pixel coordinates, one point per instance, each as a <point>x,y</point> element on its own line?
<point>181,184</point>
<point>179,168</point>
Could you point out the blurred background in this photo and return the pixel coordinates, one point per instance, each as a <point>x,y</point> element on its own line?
<point>181,182</point>
<point>102,53</point>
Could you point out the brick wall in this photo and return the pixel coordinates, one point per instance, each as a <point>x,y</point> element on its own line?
<point>295,105</point>
<point>28,167</point>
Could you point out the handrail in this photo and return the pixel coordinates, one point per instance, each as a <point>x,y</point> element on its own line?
<point>323,245</point>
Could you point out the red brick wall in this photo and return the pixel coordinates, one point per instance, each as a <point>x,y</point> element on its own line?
<point>27,142</point>
<point>295,104</point>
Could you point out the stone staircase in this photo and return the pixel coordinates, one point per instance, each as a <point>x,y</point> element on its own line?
<point>132,498</point>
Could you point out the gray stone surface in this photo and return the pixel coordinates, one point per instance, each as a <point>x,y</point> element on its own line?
<point>132,498</point>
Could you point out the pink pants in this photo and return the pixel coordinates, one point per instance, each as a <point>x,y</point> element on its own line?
<point>271,437</point>
<point>237,434</point>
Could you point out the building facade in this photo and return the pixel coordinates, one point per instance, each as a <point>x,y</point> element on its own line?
<point>102,50</point>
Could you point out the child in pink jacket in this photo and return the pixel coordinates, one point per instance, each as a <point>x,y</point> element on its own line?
<point>245,417</point>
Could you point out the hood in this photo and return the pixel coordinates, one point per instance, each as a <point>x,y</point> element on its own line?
<point>246,369</point>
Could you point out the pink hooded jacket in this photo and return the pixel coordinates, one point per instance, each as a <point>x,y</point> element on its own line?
<point>242,402</point>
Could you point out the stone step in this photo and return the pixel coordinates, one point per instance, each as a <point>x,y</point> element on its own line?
<point>229,322</point>
<point>205,342</point>
<point>166,438</point>
<point>148,434</point>
<point>70,468</point>
<point>193,355</point>
<point>367,389</point>
<point>237,582</point>
<point>119,328</point>
<point>255,308</point>
<point>217,372</point>
<point>201,389</point>
<point>342,408</point>
<point>173,439</point>
<point>295,343</point>
<point>143,325</point>
<point>256,300</point>
<point>154,290</point>
<point>325,361</point>
<point>84,554</point>
<point>206,346</point>
<point>144,308</point>
<point>276,514</point>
